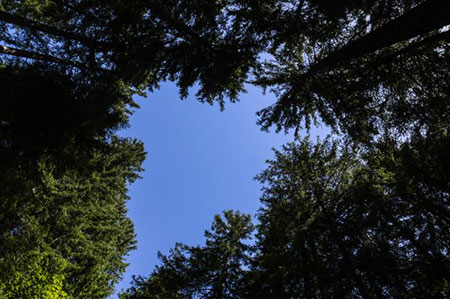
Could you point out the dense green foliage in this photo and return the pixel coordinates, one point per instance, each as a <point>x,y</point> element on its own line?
<point>68,204</point>
<point>366,68</point>
<point>333,225</point>
<point>63,184</point>
<point>368,219</point>
<point>214,270</point>
<point>138,42</point>
<point>34,275</point>
<point>40,109</point>
<point>363,67</point>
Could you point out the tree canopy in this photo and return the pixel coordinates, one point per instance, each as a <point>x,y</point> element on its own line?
<point>333,225</point>
<point>365,68</point>
<point>362,67</point>
<point>67,207</point>
<point>364,217</point>
<point>137,42</point>
<point>215,270</point>
<point>336,226</point>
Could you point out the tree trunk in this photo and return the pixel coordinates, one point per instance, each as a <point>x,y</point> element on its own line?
<point>428,16</point>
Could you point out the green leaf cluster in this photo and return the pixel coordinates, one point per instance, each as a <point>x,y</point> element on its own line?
<point>35,275</point>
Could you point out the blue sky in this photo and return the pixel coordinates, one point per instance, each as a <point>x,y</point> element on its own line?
<point>200,161</point>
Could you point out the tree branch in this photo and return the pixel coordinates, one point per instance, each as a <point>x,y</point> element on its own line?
<point>168,17</point>
<point>75,9</point>
<point>32,25</point>
<point>427,41</point>
<point>425,17</point>
<point>37,56</point>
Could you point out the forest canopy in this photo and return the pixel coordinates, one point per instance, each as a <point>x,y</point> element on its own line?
<point>365,215</point>
<point>331,225</point>
<point>362,67</point>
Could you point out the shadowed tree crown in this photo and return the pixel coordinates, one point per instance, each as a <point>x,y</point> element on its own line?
<point>364,68</point>
<point>334,223</point>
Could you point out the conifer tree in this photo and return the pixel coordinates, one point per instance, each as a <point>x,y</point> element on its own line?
<point>336,223</point>
<point>214,270</point>
<point>69,205</point>
<point>365,68</point>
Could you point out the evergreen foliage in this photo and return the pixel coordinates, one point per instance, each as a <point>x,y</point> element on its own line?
<point>40,109</point>
<point>34,275</point>
<point>334,225</point>
<point>363,67</point>
<point>71,204</point>
<point>139,42</point>
<point>365,218</point>
<point>214,270</point>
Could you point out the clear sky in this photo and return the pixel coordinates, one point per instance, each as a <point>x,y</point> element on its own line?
<point>200,161</point>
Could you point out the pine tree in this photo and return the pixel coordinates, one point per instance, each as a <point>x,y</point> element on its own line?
<point>338,225</point>
<point>139,42</point>
<point>336,222</point>
<point>214,270</point>
<point>70,203</point>
<point>364,68</point>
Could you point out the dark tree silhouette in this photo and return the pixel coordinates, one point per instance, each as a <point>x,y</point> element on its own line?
<point>358,65</point>
<point>335,223</point>
<point>214,270</point>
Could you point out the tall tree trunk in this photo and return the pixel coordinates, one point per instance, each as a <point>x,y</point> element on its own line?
<point>428,16</point>
<point>434,39</point>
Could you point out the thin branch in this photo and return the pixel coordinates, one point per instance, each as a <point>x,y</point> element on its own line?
<point>75,9</point>
<point>32,25</point>
<point>37,56</point>
<point>165,15</point>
